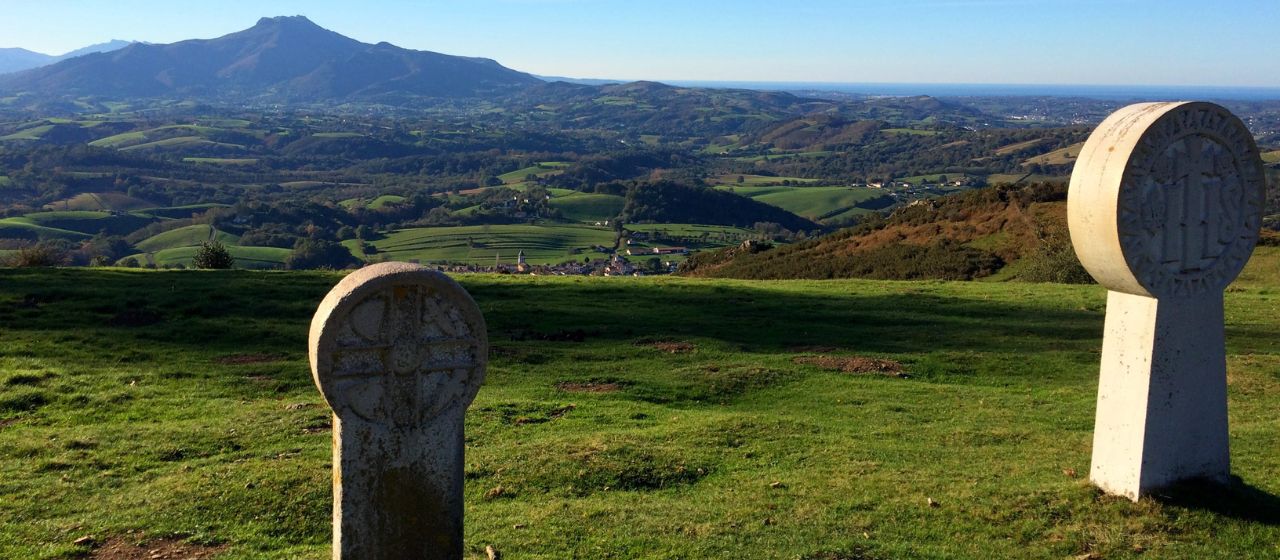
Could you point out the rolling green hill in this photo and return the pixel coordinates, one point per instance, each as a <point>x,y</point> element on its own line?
<point>816,203</point>
<point>636,418</point>
<point>105,201</point>
<point>968,235</point>
<point>584,207</point>
<point>20,228</point>
<point>86,221</point>
<point>542,244</point>
<point>188,236</point>
<point>245,257</point>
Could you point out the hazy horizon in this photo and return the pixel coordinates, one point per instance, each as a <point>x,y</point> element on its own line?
<point>1130,42</point>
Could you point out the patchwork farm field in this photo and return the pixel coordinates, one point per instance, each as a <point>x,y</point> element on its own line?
<point>621,418</point>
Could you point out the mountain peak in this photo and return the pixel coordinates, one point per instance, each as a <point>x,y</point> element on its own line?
<point>285,57</point>
<point>286,20</point>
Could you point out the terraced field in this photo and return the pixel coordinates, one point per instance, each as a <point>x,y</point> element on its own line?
<point>550,244</point>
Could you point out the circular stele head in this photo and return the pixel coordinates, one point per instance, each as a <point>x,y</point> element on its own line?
<point>1166,199</point>
<point>396,344</point>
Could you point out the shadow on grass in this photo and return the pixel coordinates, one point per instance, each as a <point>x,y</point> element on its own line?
<point>254,311</point>
<point>1236,500</point>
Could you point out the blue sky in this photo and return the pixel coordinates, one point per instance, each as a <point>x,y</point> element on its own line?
<point>1142,42</point>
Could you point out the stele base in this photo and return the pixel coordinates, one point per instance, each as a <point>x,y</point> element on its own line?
<point>398,491</point>
<point>1162,396</point>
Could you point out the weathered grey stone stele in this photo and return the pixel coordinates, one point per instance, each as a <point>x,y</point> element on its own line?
<point>399,352</point>
<point>1165,205</point>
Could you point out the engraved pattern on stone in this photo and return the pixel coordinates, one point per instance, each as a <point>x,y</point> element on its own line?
<point>408,358</point>
<point>1189,207</point>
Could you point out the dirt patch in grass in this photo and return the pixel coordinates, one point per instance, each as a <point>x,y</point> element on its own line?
<point>160,549</point>
<point>238,359</point>
<point>853,364</point>
<point>812,349</point>
<point>668,346</point>
<point>589,386</point>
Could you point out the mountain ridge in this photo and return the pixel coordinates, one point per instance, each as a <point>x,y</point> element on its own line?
<point>285,58</point>
<point>18,59</point>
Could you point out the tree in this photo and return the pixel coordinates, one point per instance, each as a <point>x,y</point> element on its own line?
<point>213,255</point>
<point>42,254</point>
<point>318,253</point>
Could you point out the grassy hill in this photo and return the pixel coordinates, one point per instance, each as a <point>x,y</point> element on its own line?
<point>816,203</point>
<point>694,419</point>
<point>587,207</point>
<point>87,222</point>
<point>106,201</point>
<point>245,257</point>
<point>963,236</point>
<point>188,236</point>
<point>542,244</point>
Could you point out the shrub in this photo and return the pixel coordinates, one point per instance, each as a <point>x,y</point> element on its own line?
<point>213,255</point>
<point>42,254</point>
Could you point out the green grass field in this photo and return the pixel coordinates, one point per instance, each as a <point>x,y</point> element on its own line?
<point>86,221</point>
<point>542,169</point>
<point>692,230</point>
<point>20,228</point>
<point>1271,157</point>
<point>385,200</point>
<point>141,137</point>
<point>33,133</point>
<point>245,257</point>
<point>185,211</point>
<point>101,202</point>
<point>188,236</point>
<point>909,131</point>
<point>585,207</point>
<point>376,204</point>
<point>180,142</point>
<point>542,244</point>
<point>1060,156</point>
<point>756,180</point>
<point>810,202</point>
<point>140,405</point>
<point>1020,146</point>
<point>221,161</point>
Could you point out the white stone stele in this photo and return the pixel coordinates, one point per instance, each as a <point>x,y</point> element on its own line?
<point>1164,208</point>
<point>399,352</point>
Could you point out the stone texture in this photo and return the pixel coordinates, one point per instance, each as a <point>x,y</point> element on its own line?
<point>1164,208</point>
<point>399,352</point>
